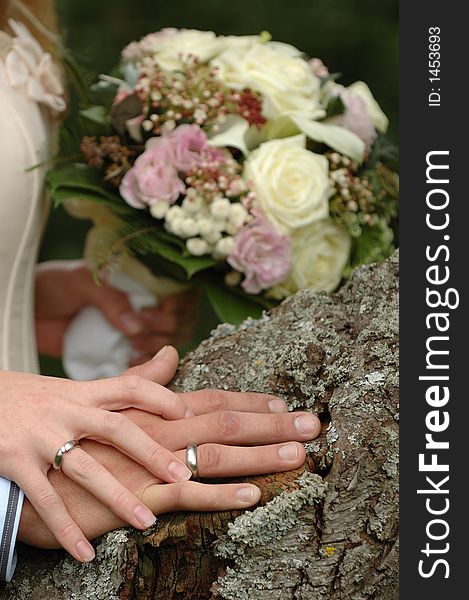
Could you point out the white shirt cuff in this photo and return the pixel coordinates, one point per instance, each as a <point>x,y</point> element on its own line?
<point>11,503</point>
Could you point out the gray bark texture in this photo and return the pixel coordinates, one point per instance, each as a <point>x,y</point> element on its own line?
<point>328,531</point>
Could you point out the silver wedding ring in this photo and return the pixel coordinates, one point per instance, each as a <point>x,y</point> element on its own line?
<point>191,460</point>
<point>59,456</point>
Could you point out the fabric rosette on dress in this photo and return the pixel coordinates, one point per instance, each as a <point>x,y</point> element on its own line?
<point>30,69</point>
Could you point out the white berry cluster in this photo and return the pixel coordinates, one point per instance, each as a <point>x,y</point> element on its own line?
<point>207,228</point>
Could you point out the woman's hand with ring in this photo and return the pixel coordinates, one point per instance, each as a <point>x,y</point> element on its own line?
<point>40,414</point>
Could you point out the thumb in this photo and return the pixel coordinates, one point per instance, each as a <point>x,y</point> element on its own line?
<point>161,368</point>
<point>116,307</point>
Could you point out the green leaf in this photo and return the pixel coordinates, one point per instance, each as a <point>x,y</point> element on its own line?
<point>374,245</point>
<point>76,176</point>
<point>231,307</point>
<point>148,243</point>
<point>383,150</point>
<point>79,178</point>
<point>335,107</point>
<point>97,114</point>
<point>62,194</point>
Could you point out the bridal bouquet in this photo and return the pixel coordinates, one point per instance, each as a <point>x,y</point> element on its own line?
<point>234,162</point>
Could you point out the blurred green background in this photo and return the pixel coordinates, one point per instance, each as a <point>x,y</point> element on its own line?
<point>358,38</point>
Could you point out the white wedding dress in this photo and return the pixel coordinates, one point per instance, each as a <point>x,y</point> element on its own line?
<point>31,95</point>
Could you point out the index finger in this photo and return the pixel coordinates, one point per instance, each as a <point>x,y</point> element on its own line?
<point>50,507</point>
<point>134,391</point>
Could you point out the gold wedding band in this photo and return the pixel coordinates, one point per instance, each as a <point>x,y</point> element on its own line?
<point>59,456</point>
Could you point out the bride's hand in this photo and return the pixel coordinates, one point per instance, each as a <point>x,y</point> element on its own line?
<point>63,288</point>
<point>237,435</point>
<point>39,414</point>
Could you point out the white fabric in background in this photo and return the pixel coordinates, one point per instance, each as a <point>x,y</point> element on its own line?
<point>93,348</point>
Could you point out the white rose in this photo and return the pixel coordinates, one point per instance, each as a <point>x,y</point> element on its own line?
<point>168,45</point>
<point>242,43</point>
<point>291,183</point>
<point>284,79</point>
<point>319,255</point>
<point>377,116</point>
<point>237,43</point>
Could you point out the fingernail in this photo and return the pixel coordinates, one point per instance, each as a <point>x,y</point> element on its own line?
<point>248,494</point>
<point>144,516</point>
<point>188,413</point>
<point>306,424</point>
<point>85,551</point>
<point>161,353</point>
<point>277,406</point>
<point>179,471</point>
<point>289,452</point>
<point>131,323</point>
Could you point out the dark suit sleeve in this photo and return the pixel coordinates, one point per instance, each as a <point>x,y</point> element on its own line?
<point>11,503</point>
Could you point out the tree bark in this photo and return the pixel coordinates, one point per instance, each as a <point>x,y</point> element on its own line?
<point>328,531</point>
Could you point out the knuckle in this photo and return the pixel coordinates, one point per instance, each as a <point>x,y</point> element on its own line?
<point>177,495</point>
<point>154,453</point>
<point>214,400</point>
<point>211,456</point>
<point>66,529</point>
<point>120,497</point>
<point>113,422</point>
<point>227,423</point>
<point>10,452</point>
<point>85,467</point>
<point>47,500</point>
<point>132,382</point>
<point>278,424</point>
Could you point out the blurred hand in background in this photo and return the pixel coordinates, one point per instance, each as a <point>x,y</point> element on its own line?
<point>65,287</point>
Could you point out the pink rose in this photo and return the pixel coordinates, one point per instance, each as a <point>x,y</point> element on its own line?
<point>186,147</point>
<point>356,117</point>
<point>262,254</point>
<point>188,143</point>
<point>318,68</point>
<point>152,179</point>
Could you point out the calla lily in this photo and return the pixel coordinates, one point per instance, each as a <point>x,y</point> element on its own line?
<point>231,134</point>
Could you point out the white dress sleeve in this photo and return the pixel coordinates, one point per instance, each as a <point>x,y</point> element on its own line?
<point>11,503</point>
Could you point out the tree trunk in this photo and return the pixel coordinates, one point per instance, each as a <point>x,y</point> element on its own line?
<point>328,531</point>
